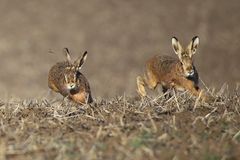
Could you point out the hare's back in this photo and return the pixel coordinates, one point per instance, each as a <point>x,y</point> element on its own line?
<point>162,63</point>
<point>58,70</point>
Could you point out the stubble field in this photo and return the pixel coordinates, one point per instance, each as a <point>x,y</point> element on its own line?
<point>122,128</point>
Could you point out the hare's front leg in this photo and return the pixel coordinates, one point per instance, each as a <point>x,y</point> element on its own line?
<point>195,90</point>
<point>190,86</point>
<point>150,79</point>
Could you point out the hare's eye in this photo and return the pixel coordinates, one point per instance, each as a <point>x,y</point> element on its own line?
<point>194,50</point>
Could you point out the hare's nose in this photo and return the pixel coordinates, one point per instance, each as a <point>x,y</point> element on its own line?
<point>191,73</point>
<point>71,86</point>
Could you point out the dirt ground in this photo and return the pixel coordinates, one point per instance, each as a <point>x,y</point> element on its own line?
<point>119,36</point>
<point>122,128</point>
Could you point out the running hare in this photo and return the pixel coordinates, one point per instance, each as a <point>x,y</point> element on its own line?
<point>179,74</point>
<point>66,79</point>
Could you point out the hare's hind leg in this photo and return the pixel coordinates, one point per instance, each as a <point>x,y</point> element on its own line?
<point>151,80</point>
<point>141,86</point>
<point>52,86</point>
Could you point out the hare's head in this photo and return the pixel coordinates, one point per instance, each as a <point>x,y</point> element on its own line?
<point>185,54</point>
<point>72,71</point>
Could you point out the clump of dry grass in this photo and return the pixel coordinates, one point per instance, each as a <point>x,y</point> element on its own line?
<point>122,128</point>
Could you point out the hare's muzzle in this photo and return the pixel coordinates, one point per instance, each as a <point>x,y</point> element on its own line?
<point>188,70</point>
<point>191,73</point>
<point>71,86</point>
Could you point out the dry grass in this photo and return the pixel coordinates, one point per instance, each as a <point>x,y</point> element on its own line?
<point>122,128</point>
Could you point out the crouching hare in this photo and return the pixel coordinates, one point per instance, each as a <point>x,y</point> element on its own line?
<point>66,79</point>
<point>170,72</point>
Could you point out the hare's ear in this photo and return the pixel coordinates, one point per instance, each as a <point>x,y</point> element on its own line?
<point>176,46</point>
<point>66,51</point>
<point>193,45</point>
<point>82,60</point>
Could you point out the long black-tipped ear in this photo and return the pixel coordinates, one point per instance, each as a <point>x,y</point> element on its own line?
<point>194,44</point>
<point>66,51</point>
<point>83,59</point>
<point>176,46</point>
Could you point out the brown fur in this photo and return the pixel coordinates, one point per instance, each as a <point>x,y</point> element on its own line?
<point>179,74</point>
<point>65,74</point>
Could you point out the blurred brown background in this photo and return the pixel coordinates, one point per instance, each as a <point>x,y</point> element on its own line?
<point>119,36</point>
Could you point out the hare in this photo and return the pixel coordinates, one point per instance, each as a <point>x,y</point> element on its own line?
<point>66,79</point>
<point>169,72</point>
